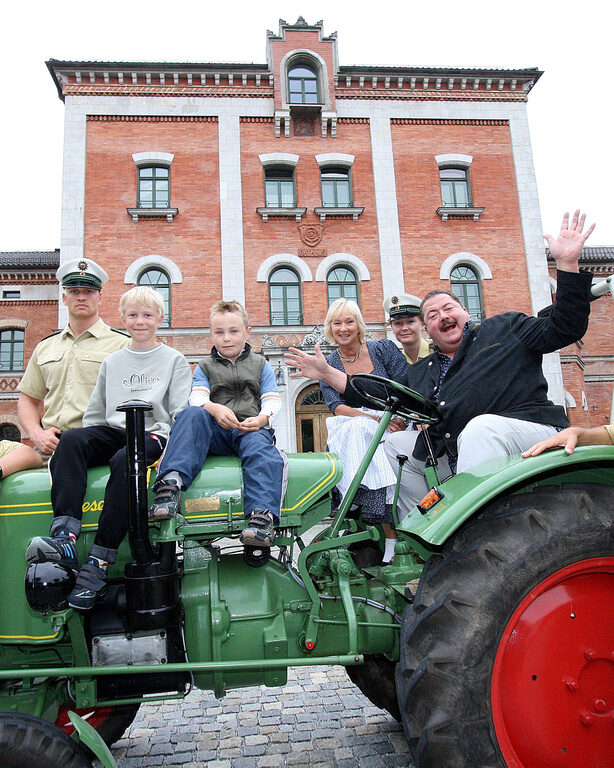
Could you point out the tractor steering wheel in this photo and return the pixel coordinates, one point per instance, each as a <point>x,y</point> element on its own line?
<point>389,395</point>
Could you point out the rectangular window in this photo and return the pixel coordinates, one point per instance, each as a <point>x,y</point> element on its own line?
<point>11,349</point>
<point>153,187</point>
<point>455,191</point>
<point>11,294</point>
<point>336,191</point>
<point>279,189</point>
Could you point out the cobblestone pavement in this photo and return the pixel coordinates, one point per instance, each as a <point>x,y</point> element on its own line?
<point>318,719</point>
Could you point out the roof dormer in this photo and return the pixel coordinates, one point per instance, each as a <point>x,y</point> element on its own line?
<point>304,63</point>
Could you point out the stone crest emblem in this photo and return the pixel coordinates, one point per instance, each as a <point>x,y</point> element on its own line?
<point>311,234</point>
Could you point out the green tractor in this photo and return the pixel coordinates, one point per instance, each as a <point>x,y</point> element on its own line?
<point>490,637</point>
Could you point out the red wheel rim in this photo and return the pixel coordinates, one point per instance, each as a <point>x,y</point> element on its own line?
<point>95,716</point>
<point>552,692</point>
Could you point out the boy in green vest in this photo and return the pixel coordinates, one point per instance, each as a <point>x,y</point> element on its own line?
<point>234,399</point>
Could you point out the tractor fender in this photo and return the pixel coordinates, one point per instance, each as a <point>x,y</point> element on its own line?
<point>466,494</point>
<point>93,740</point>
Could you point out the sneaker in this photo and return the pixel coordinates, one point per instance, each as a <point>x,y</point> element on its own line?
<point>54,549</point>
<point>166,503</point>
<point>91,585</point>
<point>260,531</point>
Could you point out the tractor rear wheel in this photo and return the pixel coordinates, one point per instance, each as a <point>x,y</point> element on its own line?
<point>507,654</point>
<point>26,740</point>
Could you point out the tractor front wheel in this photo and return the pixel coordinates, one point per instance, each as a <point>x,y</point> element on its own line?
<point>26,740</point>
<point>507,654</point>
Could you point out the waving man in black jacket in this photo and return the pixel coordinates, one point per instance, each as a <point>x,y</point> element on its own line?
<point>486,378</point>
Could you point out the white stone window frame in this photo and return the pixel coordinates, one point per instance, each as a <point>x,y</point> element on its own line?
<point>298,57</point>
<point>152,261</point>
<point>19,324</point>
<point>454,160</point>
<point>342,260</point>
<point>457,160</point>
<point>272,159</point>
<point>143,159</point>
<point>280,260</point>
<point>477,263</point>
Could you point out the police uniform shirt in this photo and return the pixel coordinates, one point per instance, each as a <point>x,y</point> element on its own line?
<point>6,446</point>
<point>424,350</point>
<point>63,370</point>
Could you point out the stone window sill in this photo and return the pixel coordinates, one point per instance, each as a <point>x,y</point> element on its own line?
<point>448,212</point>
<point>148,213</point>
<point>297,213</point>
<point>349,211</point>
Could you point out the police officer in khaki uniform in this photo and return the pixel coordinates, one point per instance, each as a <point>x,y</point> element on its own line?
<point>63,368</point>
<point>403,312</point>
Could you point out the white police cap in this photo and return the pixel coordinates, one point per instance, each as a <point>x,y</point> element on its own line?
<point>81,272</point>
<point>401,305</point>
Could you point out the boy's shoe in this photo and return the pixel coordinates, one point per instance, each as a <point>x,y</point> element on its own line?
<point>260,531</point>
<point>91,584</point>
<point>54,549</point>
<point>167,499</point>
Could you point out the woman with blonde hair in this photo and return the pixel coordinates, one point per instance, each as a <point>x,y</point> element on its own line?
<point>350,429</point>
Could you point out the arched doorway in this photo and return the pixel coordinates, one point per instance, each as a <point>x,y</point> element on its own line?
<point>311,415</point>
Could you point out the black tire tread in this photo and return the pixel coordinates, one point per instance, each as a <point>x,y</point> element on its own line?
<point>26,740</point>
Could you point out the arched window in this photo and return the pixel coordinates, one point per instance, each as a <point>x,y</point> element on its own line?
<point>154,186</point>
<point>279,187</point>
<point>303,85</point>
<point>11,349</point>
<point>336,188</point>
<point>159,281</point>
<point>285,297</point>
<point>465,284</point>
<point>341,283</point>
<point>455,190</point>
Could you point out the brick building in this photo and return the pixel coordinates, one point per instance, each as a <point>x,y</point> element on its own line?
<point>28,313</point>
<point>289,183</point>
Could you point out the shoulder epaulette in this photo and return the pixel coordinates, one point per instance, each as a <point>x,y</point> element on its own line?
<point>51,335</point>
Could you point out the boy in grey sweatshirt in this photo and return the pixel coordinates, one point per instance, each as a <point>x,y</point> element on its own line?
<point>145,370</point>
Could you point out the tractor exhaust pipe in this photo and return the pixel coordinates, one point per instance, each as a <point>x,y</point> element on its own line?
<point>140,544</point>
<point>152,584</point>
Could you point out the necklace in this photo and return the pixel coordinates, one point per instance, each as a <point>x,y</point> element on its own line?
<point>351,359</point>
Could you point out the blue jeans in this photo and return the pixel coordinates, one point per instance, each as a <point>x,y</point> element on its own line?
<point>196,434</point>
